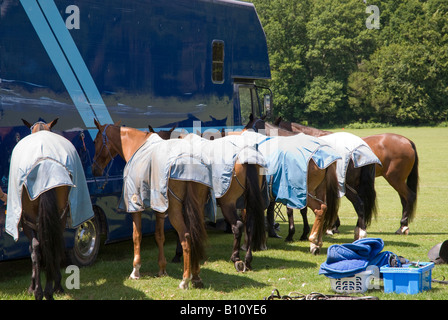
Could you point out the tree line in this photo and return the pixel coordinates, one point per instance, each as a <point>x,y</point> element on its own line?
<point>337,62</point>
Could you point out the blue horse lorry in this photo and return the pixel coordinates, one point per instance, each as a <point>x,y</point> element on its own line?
<point>141,62</point>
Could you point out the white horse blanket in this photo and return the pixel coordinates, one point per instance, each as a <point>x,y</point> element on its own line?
<point>287,160</point>
<point>42,161</point>
<point>350,147</point>
<point>223,154</point>
<point>146,174</point>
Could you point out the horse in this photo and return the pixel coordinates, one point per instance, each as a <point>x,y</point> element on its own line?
<point>359,183</point>
<point>322,195</point>
<point>43,221</point>
<point>247,183</point>
<point>399,159</point>
<point>185,210</point>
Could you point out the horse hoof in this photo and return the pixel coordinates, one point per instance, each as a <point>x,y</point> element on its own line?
<point>162,273</point>
<point>184,285</point>
<point>314,249</point>
<point>198,284</point>
<point>403,230</point>
<point>240,266</point>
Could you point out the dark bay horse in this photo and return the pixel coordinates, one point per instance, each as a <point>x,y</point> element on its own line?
<point>43,221</point>
<point>359,183</point>
<point>399,159</point>
<point>359,186</point>
<point>186,204</point>
<point>322,197</point>
<point>246,184</point>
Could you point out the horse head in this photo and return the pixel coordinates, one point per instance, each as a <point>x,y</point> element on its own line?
<point>40,125</point>
<point>104,151</point>
<point>255,123</point>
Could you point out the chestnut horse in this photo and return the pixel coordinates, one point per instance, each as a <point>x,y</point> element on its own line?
<point>322,197</point>
<point>43,221</point>
<point>399,159</point>
<point>186,204</point>
<point>247,182</point>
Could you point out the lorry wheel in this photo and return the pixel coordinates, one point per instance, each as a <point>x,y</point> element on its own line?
<point>86,244</point>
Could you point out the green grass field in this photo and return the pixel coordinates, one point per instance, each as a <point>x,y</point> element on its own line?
<point>288,267</point>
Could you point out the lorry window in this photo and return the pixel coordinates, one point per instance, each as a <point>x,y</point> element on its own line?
<point>248,103</point>
<point>218,61</point>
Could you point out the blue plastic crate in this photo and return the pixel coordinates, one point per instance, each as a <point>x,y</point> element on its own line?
<point>407,279</point>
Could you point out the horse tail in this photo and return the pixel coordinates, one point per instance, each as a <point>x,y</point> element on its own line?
<point>412,183</point>
<point>50,234</point>
<point>254,208</point>
<point>194,220</point>
<point>367,192</point>
<point>332,197</point>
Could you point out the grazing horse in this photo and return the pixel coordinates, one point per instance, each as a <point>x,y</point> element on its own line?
<point>42,210</point>
<point>185,209</point>
<point>399,159</point>
<point>246,183</point>
<point>320,189</point>
<point>359,183</point>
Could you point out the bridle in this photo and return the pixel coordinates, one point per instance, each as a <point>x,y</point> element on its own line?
<point>105,140</point>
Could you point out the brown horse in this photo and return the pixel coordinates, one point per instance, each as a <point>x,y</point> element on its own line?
<point>399,159</point>
<point>359,183</point>
<point>43,221</point>
<point>247,183</point>
<point>322,197</point>
<point>186,204</point>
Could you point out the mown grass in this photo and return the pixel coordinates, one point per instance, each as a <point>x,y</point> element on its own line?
<point>288,267</point>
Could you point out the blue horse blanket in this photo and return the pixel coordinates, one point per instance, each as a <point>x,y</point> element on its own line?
<point>348,259</point>
<point>350,147</point>
<point>287,160</point>
<point>146,174</point>
<point>42,161</point>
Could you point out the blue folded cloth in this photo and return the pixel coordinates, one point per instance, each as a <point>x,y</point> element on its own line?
<point>348,259</point>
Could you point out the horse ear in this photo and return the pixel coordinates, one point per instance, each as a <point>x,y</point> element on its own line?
<point>52,123</point>
<point>251,117</point>
<point>277,121</point>
<point>263,117</point>
<point>29,125</point>
<point>97,124</point>
<point>150,129</point>
<point>118,123</point>
<point>172,129</point>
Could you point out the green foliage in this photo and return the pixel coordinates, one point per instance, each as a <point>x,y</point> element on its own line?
<point>328,68</point>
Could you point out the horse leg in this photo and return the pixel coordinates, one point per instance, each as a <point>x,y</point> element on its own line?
<point>360,229</point>
<point>292,229</point>
<point>230,215</point>
<point>62,194</point>
<point>270,220</point>
<point>175,214</point>
<point>202,192</point>
<point>137,239</point>
<point>178,255</point>
<point>36,285</point>
<point>306,225</point>
<point>160,240</point>
<point>407,198</point>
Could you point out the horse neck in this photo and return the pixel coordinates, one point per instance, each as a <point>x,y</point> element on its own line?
<point>280,131</point>
<point>309,130</point>
<point>129,141</point>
